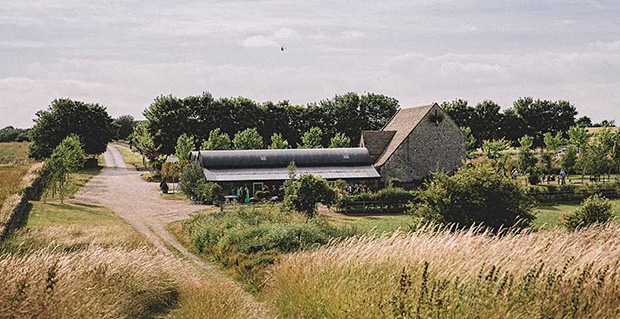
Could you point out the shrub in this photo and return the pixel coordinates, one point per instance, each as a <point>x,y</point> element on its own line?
<point>207,193</point>
<point>247,240</point>
<point>596,209</point>
<point>192,181</point>
<point>304,192</point>
<point>475,194</point>
<point>386,200</point>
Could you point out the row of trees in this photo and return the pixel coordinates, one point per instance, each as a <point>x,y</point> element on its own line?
<point>526,117</point>
<point>167,118</point>
<point>581,152</point>
<point>12,134</point>
<point>247,139</point>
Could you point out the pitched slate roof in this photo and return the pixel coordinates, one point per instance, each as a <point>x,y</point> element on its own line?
<point>403,122</point>
<point>376,141</point>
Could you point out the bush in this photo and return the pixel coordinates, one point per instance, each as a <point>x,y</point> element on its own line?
<point>303,193</point>
<point>476,194</point>
<point>596,209</point>
<point>247,240</point>
<point>192,181</point>
<point>386,200</point>
<point>207,193</point>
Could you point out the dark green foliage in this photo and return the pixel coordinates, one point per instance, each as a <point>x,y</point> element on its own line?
<point>168,117</point>
<point>64,117</point>
<point>123,127</point>
<point>527,116</point>
<point>247,240</point>
<point>11,134</point>
<point>596,209</point>
<point>475,194</point>
<point>388,200</point>
<point>304,192</point>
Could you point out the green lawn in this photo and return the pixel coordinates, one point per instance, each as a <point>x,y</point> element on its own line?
<point>178,195</point>
<point>131,157</point>
<point>550,215</point>
<point>376,224</point>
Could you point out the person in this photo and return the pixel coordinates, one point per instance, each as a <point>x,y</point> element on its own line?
<point>247,194</point>
<point>514,173</point>
<point>562,179</point>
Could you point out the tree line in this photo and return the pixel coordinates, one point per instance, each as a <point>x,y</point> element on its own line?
<point>527,116</point>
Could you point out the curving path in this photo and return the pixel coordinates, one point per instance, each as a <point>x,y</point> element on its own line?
<point>120,188</point>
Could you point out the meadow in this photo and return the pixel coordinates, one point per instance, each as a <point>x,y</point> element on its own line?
<point>77,261</point>
<point>438,273</point>
<point>14,165</point>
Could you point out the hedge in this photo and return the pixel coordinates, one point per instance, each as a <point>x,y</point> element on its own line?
<point>387,200</point>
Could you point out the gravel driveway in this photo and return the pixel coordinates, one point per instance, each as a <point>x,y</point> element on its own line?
<point>120,188</point>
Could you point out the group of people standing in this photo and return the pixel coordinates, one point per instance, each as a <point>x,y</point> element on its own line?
<point>561,178</point>
<point>242,193</point>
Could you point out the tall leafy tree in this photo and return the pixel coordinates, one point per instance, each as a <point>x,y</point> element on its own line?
<point>143,141</point>
<point>470,141</point>
<point>67,157</point>
<point>64,117</point>
<point>578,136</point>
<point>185,145</point>
<point>248,139</point>
<point>460,112</point>
<point>569,159</point>
<point>486,120</point>
<point>526,161</point>
<point>340,140</point>
<point>277,142</point>
<point>312,138</point>
<point>123,126</point>
<point>217,141</point>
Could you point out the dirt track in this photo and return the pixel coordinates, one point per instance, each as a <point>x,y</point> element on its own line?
<point>120,188</point>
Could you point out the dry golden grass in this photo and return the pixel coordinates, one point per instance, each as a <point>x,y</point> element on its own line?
<point>464,274</point>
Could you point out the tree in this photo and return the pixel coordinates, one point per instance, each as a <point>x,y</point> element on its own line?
<point>67,157</point>
<point>493,148</point>
<point>143,141</point>
<point>475,194</point>
<point>277,142</point>
<point>578,136</point>
<point>11,134</point>
<point>460,112</point>
<point>553,142</point>
<point>569,159</point>
<point>192,180</point>
<point>217,141</point>
<point>304,192</point>
<point>339,141</point>
<point>584,121</point>
<point>596,209</point>
<point>248,139</point>
<point>470,141</point>
<point>312,138</point>
<point>123,126</point>
<point>64,117</point>
<point>526,162</point>
<point>185,145</point>
<point>486,120</point>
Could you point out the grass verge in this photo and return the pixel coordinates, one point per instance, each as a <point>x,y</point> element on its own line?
<point>131,157</point>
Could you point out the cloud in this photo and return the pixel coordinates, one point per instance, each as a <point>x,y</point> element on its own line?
<point>258,41</point>
<point>354,34</point>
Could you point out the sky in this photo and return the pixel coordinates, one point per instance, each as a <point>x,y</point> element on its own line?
<point>123,54</point>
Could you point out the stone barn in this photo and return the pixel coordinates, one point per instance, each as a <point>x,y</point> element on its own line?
<point>414,143</point>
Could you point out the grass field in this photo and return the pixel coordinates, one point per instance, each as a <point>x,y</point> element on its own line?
<point>14,153</point>
<point>76,261</point>
<point>443,274</point>
<point>550,216</point>
<point>131,157</point>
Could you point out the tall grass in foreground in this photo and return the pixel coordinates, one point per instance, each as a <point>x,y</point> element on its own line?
<point>435,273</point>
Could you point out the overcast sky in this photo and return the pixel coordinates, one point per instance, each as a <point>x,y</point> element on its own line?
<point>123,54</point>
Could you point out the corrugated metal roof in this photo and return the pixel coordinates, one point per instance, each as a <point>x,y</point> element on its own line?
<point>281,173</point>
<point>281,158</point>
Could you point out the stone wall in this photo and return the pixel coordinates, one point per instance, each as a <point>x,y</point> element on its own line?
<point>430,147</point>
<point>16,208</point>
